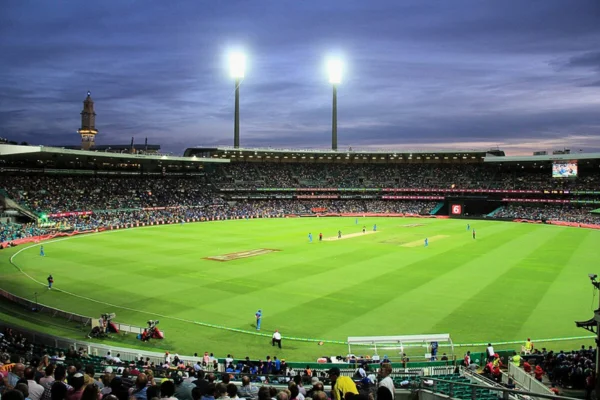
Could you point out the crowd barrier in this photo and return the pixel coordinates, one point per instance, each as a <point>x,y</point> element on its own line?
<point>85,321</point>
<point>472,389</point>
<point>527,381</point>
<point>35,239</point>
<point>55,312</point>
<point>559,223</point>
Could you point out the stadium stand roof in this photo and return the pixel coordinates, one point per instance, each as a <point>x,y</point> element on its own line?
<point>543,158</point>
<point>350,155</point>
<point>63,156</point>
<point>117,147</point>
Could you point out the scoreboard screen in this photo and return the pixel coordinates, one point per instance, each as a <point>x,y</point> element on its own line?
<point>564,169</point>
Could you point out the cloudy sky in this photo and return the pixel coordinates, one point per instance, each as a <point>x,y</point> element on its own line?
<point>521,75</point>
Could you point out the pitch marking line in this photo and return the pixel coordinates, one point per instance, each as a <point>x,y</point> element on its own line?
<point>418,243</point>
<point>241,254</point>
<point>349,236</point>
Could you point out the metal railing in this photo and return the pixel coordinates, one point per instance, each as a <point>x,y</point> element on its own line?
<point>473,389</point>
<point>527,381</point>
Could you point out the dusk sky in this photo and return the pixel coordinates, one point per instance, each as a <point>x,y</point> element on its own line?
<point>523,75</point>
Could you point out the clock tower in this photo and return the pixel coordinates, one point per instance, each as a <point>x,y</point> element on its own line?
<point>88,130</point>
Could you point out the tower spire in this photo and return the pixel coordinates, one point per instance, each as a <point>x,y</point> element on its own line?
<point>88,129</point>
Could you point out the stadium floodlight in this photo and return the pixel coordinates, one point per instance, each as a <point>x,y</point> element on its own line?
<point>335,71</point>
<point>237,67</point>
<point>334,67</point>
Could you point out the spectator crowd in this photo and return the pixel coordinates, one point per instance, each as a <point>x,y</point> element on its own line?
<point>125,200</point>
<point>30,371</point>
<point>550,212</point>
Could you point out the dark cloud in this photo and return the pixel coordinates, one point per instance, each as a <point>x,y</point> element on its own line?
<point>586,60</point>
<point>417,73</point>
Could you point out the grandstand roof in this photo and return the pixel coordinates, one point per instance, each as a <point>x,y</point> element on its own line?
<point>543,158</point>
<point>350,155</point>
<point>42,153</point>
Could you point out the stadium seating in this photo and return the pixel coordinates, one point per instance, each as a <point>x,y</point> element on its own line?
<point>229,192</point>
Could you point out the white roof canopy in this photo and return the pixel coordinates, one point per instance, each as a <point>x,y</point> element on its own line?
<point>397,342</point>
<point>441,337</point>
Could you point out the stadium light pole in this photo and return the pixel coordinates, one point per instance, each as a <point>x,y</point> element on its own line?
<point>237,67</point>
<point>335,78</point>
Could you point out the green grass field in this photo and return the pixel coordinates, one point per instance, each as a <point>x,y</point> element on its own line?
<point>514,281</point>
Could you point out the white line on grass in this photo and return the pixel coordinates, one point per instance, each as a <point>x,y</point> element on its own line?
<point>133,309</point>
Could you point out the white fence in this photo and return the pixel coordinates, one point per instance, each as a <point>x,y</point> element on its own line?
<point>527,381</point>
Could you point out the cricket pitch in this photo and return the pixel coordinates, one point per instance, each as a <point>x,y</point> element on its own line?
<point>241,254</point>
<point>349,236</point>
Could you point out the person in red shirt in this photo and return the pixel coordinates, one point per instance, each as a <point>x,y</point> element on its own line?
<point>527,367</point>
<point>539,373</point>
<point>468,359</point>
<point>496,374</point>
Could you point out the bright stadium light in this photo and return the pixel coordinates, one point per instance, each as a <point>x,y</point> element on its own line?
<point>237,65</point>
<point>335,71</point>
<point>237,68</point>
<point>334,67</point>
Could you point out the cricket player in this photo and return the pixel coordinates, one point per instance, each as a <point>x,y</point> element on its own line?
<point>310,238</point>
<point>339,234</point>
<point>50,280</point>
<point>468,227</point>
<point>375,228</point>
<point>356,221</point>
<point>426,242</point>
<point>473,233</point>
<point>258,319</point>
<point>364,229</point>
<point>42,254</point>
<point>320,236</point>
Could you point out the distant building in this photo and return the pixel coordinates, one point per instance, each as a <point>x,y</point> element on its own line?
<point>565,151</point>
<point>88,129</point>
<point>88,134</point>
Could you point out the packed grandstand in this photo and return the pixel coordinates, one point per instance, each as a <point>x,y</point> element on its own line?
<point>44,195</point>
<point>73,199</point>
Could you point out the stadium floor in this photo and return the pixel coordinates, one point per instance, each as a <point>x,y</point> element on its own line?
<point>513,281</point>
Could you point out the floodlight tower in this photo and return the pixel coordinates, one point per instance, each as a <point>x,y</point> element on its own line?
<point>237,67</point>
<point>335,78</point>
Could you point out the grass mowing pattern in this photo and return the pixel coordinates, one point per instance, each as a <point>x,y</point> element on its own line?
<point>514,281</point>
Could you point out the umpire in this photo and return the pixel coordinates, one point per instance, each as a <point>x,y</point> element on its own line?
<point>276,338</point>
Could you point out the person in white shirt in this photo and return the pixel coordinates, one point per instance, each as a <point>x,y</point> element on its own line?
<point>490,352</point>
<point>276,338</point>
<point>385,381</point>
<point>228,359</point>
<point>361,372</point>
<point>167,358</point>
<point>35,389</point>
<point>108,357</point>
<point>117,359</point>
